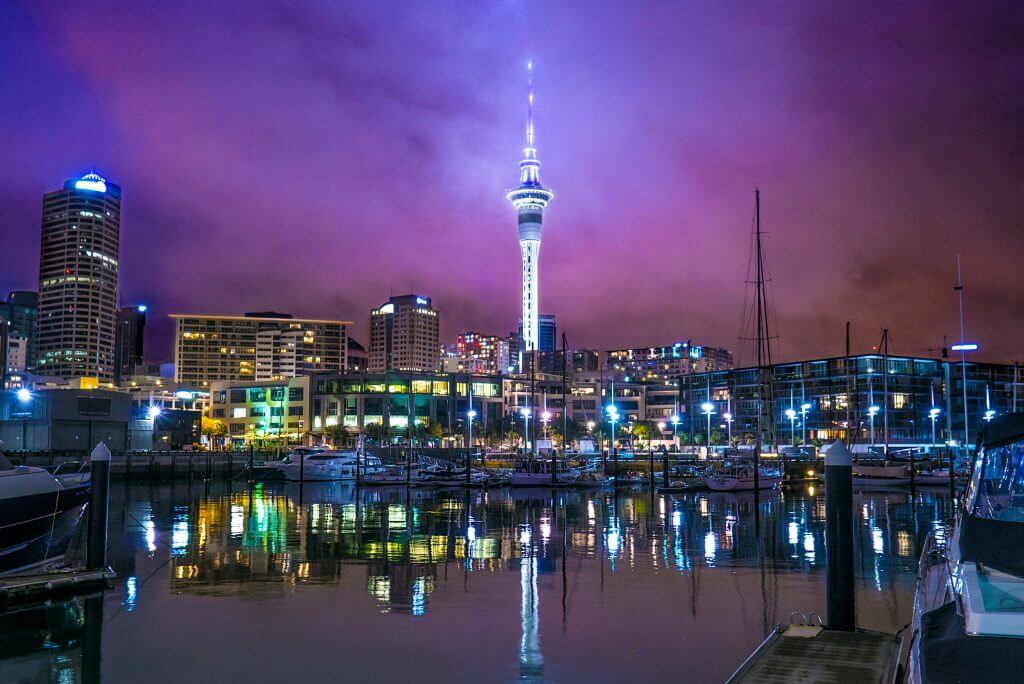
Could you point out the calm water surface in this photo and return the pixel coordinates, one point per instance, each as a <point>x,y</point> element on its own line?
<point>223,582</point>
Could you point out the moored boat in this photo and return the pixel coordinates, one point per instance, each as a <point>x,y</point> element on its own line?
<point>38,515</point>
<point>881,476</point>
<point>968,620</point>
<point>739,477</point>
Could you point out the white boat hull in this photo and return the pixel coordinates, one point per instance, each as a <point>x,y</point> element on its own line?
<point>741,484</point>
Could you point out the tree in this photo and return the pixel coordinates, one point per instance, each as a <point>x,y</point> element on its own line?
<point>214,430</point>
<point>337,433</point>
<point>642,430</point>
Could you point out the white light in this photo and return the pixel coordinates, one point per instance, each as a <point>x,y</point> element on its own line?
<point>728,417</point>
<point>24,395</point>
<point>805,407</point>
<point>873,409</point>
<point>661,425</point>
<point>154,411</point>
<point>471,414</point>
<point>966,346</point>
<point>546,416</point>
<point>791,414</point>
<point>675,419</point>
<point>184,394</point>
<point>934,413</point>
<point>142,308</point>
<point>707,407</point>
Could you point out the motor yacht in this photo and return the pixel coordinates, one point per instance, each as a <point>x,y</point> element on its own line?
<point>881,476</point>
<point>537,473</point>
<point>38,515</point>
<point>739,477</point>
<point>319,465</point>
<point>968,620</point>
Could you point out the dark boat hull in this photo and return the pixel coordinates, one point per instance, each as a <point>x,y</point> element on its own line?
<point>37,528</point>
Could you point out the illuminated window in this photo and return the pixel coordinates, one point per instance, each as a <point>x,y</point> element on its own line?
<point>421,386</point>
<point>238,412</point>
<point>899,400</point>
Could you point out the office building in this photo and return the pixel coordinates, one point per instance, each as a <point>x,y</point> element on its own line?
<point>478,353</point>
<point>78,271</point>
<point>404,335</point>
<point>271,412</point>
<point>18,321</point>
<point>263,345</point>
<point>358,357</point>
<point>665,363</point>
<point>128,341</point>
<point>853,399</point>
<point>529,201</point>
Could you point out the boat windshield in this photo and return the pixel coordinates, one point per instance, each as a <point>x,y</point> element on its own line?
<point>1000,487</point>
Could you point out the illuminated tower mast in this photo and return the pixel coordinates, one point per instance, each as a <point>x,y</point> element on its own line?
<point>529,200</point>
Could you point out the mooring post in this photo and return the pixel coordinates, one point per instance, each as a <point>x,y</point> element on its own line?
<point>664,469</point>
<point>249,462</point>
<point>99,497</point>
<point>92,640</point>
<point>840,604</point>
<point>912,475</point>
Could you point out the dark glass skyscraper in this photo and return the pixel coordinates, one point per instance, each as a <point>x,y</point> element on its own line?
<point>78,269</point>
<point>128,341</point>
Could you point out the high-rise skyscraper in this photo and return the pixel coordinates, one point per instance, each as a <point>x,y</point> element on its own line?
<point>18,326</point>
<point>529,200</point>
<point>404,335</point>
<point>78,266</point>
<point>128,341</point>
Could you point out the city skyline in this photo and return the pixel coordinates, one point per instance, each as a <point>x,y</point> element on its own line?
<point>864,213</point>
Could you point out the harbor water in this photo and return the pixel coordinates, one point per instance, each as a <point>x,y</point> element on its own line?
<point>268,582</point>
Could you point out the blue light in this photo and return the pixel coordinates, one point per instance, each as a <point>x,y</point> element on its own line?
<point>965,346</point>
<point>24,395</point>
<point>91,182</point>
<point>142,308</point>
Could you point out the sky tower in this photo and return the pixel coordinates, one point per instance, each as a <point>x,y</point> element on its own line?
<point>529,199</point>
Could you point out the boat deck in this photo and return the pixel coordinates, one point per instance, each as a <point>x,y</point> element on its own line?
<point>811,654</point>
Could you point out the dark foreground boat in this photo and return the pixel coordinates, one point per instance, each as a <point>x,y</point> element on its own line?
<point>38,515</point>
<point>969,607</point>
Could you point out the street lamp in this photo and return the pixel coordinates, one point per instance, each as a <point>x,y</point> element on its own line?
<point>24,395</point>
<point>804,408</point>
<point>728,425</point>
<point>471,414</point>
<point>989,412</point>
<point>933,414</point>
<point>791,414</point>
<point>675,429</point>
<point>708,408</point>
<point>872,412</point>
<point>154,412</point>
<point>525,411</point>
<point>613,417</point>
<point>545,417</point>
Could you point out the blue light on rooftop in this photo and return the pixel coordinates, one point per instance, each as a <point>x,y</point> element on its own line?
<point>91,181</point>
<point>142,308</point>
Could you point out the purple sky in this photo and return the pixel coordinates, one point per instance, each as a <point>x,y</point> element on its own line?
<point>315,159</point>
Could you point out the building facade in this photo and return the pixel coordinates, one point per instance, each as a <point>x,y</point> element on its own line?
<point>660,364</point>
<point>357,400</point>
<point>78,279</point>
<point>857,400</point>
<point>18,322</point>
<point>478,353</point>
<point>128,341</point>
<point>269,412</point>
<point>404,335</point>
<point>262,346</point>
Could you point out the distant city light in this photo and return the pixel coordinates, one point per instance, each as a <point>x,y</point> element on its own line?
<point>142,308</point>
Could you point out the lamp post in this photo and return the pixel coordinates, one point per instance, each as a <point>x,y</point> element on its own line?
<point>989,412</point>
<point>804,408</point>
<point>24,396</point>
<point>613,417</point>
<point>545,417</point>
<point>791,414</point>
<point>525,412</point>
<point>675,430</point>
<point>872,412</point>
<point>728,426</point>
<point>933,414</point>
<point>708,408</point>
<point>470,415</point>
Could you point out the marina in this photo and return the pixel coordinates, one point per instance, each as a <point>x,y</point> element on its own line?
<point>529,579</point>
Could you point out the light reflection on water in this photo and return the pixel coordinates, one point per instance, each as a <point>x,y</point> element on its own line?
<point>491,586</point>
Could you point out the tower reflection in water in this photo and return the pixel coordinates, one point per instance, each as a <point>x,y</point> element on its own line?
<point>406,545</point>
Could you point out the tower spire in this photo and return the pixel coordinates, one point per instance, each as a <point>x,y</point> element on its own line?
<point>530,152</point>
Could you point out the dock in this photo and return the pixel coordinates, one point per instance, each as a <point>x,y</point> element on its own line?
<point>45,584</point>
<point>801,653</point>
